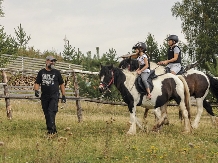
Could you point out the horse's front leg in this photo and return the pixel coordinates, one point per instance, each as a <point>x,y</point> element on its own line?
<point>132,129</point>
<point>139,124</point>
<point>160,116</point>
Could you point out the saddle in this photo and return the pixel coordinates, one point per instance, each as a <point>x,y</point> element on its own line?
<point>140,86</point>
<point>182,71</point>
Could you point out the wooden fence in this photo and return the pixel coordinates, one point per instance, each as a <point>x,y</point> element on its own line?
<point>20,64</point>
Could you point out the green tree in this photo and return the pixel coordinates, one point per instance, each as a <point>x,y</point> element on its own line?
<point>8,44</point>
<point>21,37</point>
<point>109,57</point>
<point>163,50</point>
<point>1,10</point>
<point>152,48</point>
<point>211,68</point>
<point>71,55</point>
<point>199,24</point>
<point>68,51</point>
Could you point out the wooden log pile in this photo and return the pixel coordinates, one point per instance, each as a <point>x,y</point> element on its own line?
<point>27,80</point>
<point>21,80</point>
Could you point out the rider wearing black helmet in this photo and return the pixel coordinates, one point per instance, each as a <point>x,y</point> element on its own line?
<point>144,68</point>
<point>174,55</point>
<point>140,45</point>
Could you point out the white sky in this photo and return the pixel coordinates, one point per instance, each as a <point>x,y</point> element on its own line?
<point>88,24</point>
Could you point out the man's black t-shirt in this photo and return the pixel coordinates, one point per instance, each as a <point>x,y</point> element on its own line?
<point>49,81</point>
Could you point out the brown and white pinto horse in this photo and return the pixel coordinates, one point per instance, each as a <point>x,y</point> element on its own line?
<point>198,82</point>
<point>166,87</point>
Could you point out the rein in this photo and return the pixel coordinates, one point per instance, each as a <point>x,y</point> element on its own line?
<point>160,74</point>
<point>105,85</point>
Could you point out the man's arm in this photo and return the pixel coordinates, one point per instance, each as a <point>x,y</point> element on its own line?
<point>62,87</point>
<point>36,86</point>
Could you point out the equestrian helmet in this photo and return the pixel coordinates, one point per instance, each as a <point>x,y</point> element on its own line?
<point>140,45</point>
<point>173,37</point>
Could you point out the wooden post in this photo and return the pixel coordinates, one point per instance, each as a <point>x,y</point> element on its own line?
<point>76,89</point>
<point>6,93</point>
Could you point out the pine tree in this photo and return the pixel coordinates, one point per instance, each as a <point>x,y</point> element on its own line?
<point>163,50</point>
<point>8,44</point>
<point>152,48</point>
<point>68,52</point>
<point>22,38</point>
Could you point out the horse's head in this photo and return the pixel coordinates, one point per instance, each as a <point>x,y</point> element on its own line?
<point>106,78</point>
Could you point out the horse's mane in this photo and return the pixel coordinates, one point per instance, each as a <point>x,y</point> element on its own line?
<point>123,75</point>
<point>120,71</point>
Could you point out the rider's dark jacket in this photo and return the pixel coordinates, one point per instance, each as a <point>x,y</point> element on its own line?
<point>170,54</point>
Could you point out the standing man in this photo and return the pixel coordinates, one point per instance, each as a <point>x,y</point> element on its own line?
<point>174,56</point>
<point>50,79</point>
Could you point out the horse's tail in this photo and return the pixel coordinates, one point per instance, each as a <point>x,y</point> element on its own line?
<point>213,85</point>
<point>187,95</point>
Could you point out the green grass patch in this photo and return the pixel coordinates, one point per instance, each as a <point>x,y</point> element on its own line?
<point>101,137</point>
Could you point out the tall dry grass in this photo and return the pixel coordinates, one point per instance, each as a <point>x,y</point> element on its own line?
<point>101,137</point>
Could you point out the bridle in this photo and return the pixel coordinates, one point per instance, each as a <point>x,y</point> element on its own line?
<point>106,86</point>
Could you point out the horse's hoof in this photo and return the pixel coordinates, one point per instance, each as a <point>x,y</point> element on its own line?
<point>130,133</point>
<point>194,126</point>
<point>155,129</point>
<point>186,132</point>
<point>166,121</point>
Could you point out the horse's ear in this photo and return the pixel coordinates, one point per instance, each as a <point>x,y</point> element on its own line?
<point>101,65</point>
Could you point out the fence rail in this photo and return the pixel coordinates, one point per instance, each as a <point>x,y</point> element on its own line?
<point>20,63</point>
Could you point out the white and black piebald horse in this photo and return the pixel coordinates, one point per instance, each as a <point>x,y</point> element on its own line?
<point>198,82</point>
<point>166,87</point>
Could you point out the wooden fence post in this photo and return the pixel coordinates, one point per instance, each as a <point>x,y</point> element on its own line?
<point>6,93</point>
<point>76,89</point>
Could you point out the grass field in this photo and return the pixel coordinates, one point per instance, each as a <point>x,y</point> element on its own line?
<point>101,137</point>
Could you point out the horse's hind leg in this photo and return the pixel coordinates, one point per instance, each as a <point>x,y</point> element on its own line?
<point>145,113</point>
<point>199,103</point>
<point>164,111</point>
<point>184,111</point>
<point>209,109</point>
